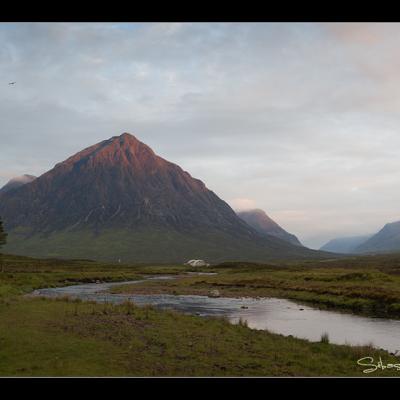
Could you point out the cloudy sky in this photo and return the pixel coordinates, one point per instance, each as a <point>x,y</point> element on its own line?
<point>301,120</point>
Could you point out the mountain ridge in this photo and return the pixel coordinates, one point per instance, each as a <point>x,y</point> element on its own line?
<point>260,221</point>
<point>345,245</point>
<point>17,182</point>
<point>385,241</point>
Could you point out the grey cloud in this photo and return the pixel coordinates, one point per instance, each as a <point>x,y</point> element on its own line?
<point>300,119</point>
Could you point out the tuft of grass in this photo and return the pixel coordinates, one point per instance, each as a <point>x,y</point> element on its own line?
<point>324,338</point>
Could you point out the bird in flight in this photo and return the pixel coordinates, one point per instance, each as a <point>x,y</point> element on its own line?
<point>12,83</point>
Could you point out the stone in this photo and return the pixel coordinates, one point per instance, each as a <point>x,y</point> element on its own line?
<point>214,293</point>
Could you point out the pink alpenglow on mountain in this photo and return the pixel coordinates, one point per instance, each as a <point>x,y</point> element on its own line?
<point>118,200</point>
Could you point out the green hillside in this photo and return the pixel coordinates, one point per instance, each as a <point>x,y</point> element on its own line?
<point>152,245</point>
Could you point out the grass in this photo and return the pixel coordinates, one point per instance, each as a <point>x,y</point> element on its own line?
<point>41,337</point>
<point>324,338</point>
<point>45,337</point>
<point>23,274</point>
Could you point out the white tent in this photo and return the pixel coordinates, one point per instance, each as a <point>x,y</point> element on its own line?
<point>197,263</point>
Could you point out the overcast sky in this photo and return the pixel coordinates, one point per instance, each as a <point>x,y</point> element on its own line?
<point>301,120</point>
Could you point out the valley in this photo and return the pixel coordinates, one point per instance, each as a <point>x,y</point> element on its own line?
<point>199,199</point>
<point>64,336</point>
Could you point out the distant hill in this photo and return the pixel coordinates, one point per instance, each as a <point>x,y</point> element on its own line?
<point>118,200</point>
<point>385,241</point>
<point>260,221</point>
<point>17,182</point>
<point>345,245</point>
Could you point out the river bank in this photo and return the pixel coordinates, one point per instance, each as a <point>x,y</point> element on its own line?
<point>65,337</point>
<point>275,315</point>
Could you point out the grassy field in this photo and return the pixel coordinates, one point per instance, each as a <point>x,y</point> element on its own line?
<point>22,275</point>
<point>43,337</point>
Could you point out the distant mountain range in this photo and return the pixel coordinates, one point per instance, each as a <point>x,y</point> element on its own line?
<point>387,240</point>
<point>345,245</point>
<point>118,200</point>
<point>263,224</point>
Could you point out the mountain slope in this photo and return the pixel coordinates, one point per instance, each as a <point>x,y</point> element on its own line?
<point>16,182</point>
<point>119,200</point>
<point>386,240</point>
<point>345,245</point>
<point>260,221</point>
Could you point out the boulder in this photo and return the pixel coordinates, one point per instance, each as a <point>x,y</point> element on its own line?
<point>214,293</point>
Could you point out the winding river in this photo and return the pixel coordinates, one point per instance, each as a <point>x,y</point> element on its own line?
<point>276,315</point>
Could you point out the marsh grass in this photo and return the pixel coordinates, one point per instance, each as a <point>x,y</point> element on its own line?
<point>150,342</point>
<point>92,339</point>
<point>324,338</point>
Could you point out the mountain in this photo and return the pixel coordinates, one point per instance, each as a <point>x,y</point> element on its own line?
<point>17,182</point>
<point>345,245</point>
<point>260,221</point>
<point>118,200</point>
<point>385,241</point>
